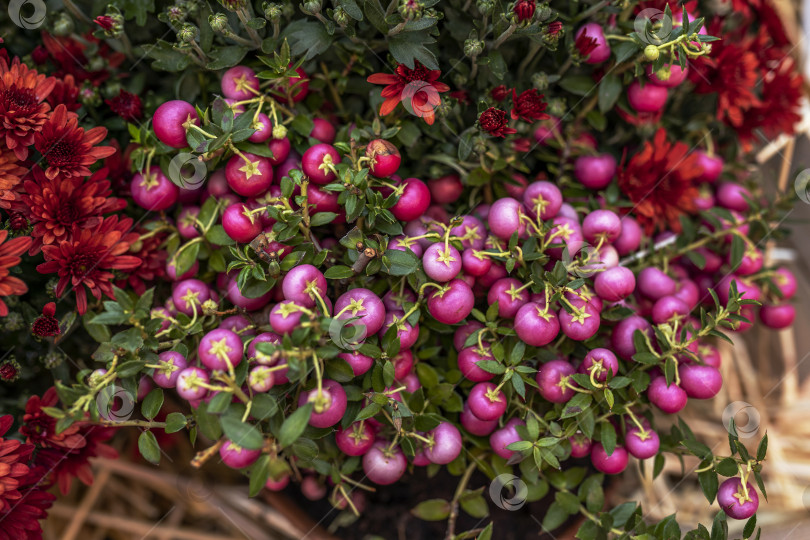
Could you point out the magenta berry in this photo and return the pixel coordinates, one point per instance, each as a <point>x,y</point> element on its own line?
<point>505,436</point>
<point>615,284</point>
<point>263,127</point>
<point>355,440</point>
<point>471,231</point>
<point>304,284</point>
<point>467,363</point>
<point>700,382</point>
<point>384,158</point>
<point>736,502</point>
<point>322,130</point>
<point>452,303</point>
<point>383,466</point>
<point>190,383</point>
<point>621,340</point>
<point>475,263</point>
<point>240,224</point>
<point>237,457</point>
<point>505,218</point>
<point>169,119</point>
<point>733,196</point>
<point>777,316</point>
<point>172,363</point>
<point>580,325</point>
<point>282,159</point>
<point>601,226</point>
<point>328,405</point>
<point>642,443</point>
<point>553,379</point>
<point>318,162</point>
<point>507,292</point>
<point>630,238</point>
<point>220,350</point>
<point>595,172</point>
<point>403,363</point>
<point>254,354</point>
<point>486,401</point>
<point>312,489</point>
<point>670,399</point>
<point>712,166</point>
<point>277,485</point>
<point>445,190</point>
<point>285,317</point>
<point>602,50</point>
<point>446,443</point>
<point>669,309</point>
<point>668,76</point>
<point>249,175</point>
<point>475,425</point>
<point>240,83</point>
<point>363,304</point>
<point>360,363</point>
<point>465,331</point>
<point>536,324</point>
<point>261,379</point>
<point>406,333</point>
<point>648,98</point>
<point>654,283</point>
<point>154,191</point>
<point>542,199</point>
<point>189,295</point>
<point>238,299</point>
<point>580,445</point>
<point>598,362</point>
<point>441,262</point>
<point>609,464</point>
<point>413,201</point>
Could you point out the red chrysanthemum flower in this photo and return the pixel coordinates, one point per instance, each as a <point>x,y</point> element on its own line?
<point>732,71</point>
<point>554,28</point>
<point>55,205</point>
<point>23,109</point>
<point>17,221</point>
<point>65,92</point>
<point>495,122</point>
<point>46,325</point>
<point>528,106</point>
<point>68,148</point>
<point>21,522</point>
<point>522,144</point>
<point>461,95</point>
<point>105,22</point>
<point>500,93</point>
<point>9,257</point>
<point>68,55</point>
<point>14,457</point>
<point>88,258</point>
<point>660,181</point>
<point>11,175</point>
<point>524,10</point>
<point>65,465</point>
<point>40,429</point>
<point>40,54</point>
<point>585,44</point>
<point>153,262</point>
<point>417,88</point>
<point>126,105</point>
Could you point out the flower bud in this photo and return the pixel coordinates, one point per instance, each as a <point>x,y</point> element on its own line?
<point>279,131</point>
<point>13,322</point>
<point>556,107</point>
<point>188,33</point>
<point>312,7</point>
<point>272,11</point>
<point>63,25</point>
<point>175,14</point>
<point>540,80</point>
<point>486,7</point>
<point>524,11</point>
<point>218,22</point>
<point>410,9</point>
<point>651,52</point>
<point>664,73</point>
<point>473,47</point>
<point>544,12</point>
<point>89,95</point>
<point>53,359</point>
<point>10,369</point>
<point>340,16</point>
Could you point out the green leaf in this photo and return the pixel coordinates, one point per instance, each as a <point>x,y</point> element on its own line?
<point>432,510</point>
<point>750,526</point>
<point>376,15</point>
<point>175,422</point>
<point>264,407</point>
<point>152,403</point>
<point>727,467</point>
<point>294,425</point>
<point>259,474</point>
<point>338,272</point>
<point>580,85</point>
<point>307,38</point>
<point>217,236</point>
<point>708,483</point>
<point>400,263</point>
<point>737,252</point>
<point>240,433</point>
<point>225,57</point>
<point>762,449</point>
<point>148,447</point>
<point>409,46</point>
<point>608,437</point>
<point>555,516</point>
<point>476,505</point>
<point>610,87</point>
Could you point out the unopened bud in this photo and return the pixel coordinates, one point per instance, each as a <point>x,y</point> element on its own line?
<point>312,7</point>
<point>279,131</point>
<point>188,33</point>
<point>651,53</point>
<point>218,22</point>
<point>63,25</point>
<point>473,47</point>
<point>272,11</point>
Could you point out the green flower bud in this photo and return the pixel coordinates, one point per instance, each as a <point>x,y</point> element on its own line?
<point>272,11</point>
<point>279,131</point>
<point>218,22</point>
<point>485,7</point>
<point>410,9</point>
<point>544,12</point>
<point>651,53</point>
<point>556,107</point>
<point>664,73</point>
<point>540,81</point>
<point>459,79</point>
<point>473,47</point>
<point>13,322</point>
<point>53,359</point>
<point>89,95</point>
<point>188,33</point>
<point>340,16</point>
<point>175,14</point>
<point>63,25</point>
<point>312,7</point>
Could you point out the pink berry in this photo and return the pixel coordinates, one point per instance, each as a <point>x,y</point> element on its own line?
<point>446,446</point>
<point>364,305</point>
<point>510,299</point>
<point>505,218</point>
<point>467,363</point>
<point>642,444</point>
<point>240,83</point>
<point>328,407</point>
<point>172,364</point>
<point>383,466</point>
<point>580,445</point>
<point>669,309</point>
<point>263,127</point>
<point>249,175</point>
<point>505,436</point>
<point>441,263</point>
<point>189,382</point>
<point>255,355</point>
<point>261,379</point>
<point>654,283</point>
<point>384,158</point>
<point>360,363</point>
<point>648,98</point>
<point>168,122</point>
<point>452,303</point>
<point>600,361</point>
<point>312,489</point>
<point>282,157</point>
<point>322,130</point>
<point>615,284</point>
<point>777,316</point>
<point>536,324</point>
<point>668,76</point>
<point>595,172</point>
<point>406,333</point>
<point>355,440</point>
<point>220,350</point>
<point>240,224</point>
<point>580,325</point>
<point>463,332</point>
<point>670,399</point>
<point>608,464</point>
<point>630,238</point>
<point>475,425</point>
<point>445,190</point>
<point>413,201</point>
<point>733,500</point>
<point>621,340</point>
<point>237,457</point>
<point>277,485</point>
<point>155,191</point>
<point>543,199</point>
<point>552,380</point>
<point>485,402</point>
<point>712,166</point>
<point>318,161</point>
<point>189,296</point>
<point>304,284</point>
<point>285,317</point>
<point>700,382</point>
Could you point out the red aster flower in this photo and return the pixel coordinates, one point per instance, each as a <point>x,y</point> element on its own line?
<point>585,44</point>
<point>46,325</point>
<point>88,258</point>
<point>771,24</point>
<point>417,88</point>
<point>40,429</point>
<point>65,464</point>
<point>554,28</point>
<point>524,10</point>
<point>495,122</point>
<point>528,106</point>
<point>68,148</point>
<point>14,458</point>
<point>500,93</point>
<point>23,109</point>
<point>126,105</point>
<point>21,522</point>
<point>732,72</point>
<point>66,93</point>
<point>660,181</point>
<point>11,175</point>
<point>153,262</point>
<point>17,221</point>
<point>55,205</point>
<point>9,257</point>
<point>105,22</point>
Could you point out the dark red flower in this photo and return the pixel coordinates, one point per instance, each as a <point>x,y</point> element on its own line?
<point>68,148</point>
<point>585,44</point>
<point>11,175</point>
<point>88,258</point>
<point>153,262</point>
<point>554,28</point>
<point>528,106</point>
<point>9,257</point>
<point>417,88</point>
<point>46,325</point>
<point>23,109</point>
<point>9,369</point>
<point>40,54</point>
<point>21,522</point>
<point>40,429</point>
<point>500,93</point>
<point>14,457</point>
<point>17,221</point>
<point>461,95</point>
<point>65,92</point>
<point>524,10</point>
<point>126,105</point>
<point>522,144</point>
<point>105,21</point>
<point>495,122</point>
<point>660,181</point>
<point>68,54</point>
<point>66,464</point>
<point>639,118</point>
<point>55,205</point>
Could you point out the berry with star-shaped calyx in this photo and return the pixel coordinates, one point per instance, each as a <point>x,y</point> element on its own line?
<point>220,350</point>
<point>319,161</point>
<point>441,262</point>
<point>249,175</point>
<point>170,119</point>
<point>240,224</point>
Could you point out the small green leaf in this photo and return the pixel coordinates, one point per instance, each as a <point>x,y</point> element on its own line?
<point>152,403</point>
<point>148,447</point>
<point>294,425</point>
<point>175,422</point>
<point>432,510</point>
